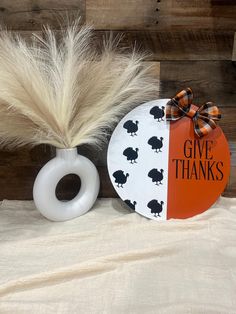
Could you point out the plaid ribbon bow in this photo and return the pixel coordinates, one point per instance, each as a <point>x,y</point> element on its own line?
<point>203,117</point>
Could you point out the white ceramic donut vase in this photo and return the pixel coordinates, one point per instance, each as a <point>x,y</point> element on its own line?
<point>67,161</point>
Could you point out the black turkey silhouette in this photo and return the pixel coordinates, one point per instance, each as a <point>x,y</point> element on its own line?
<point>158,113</point>
<point>131,154</point>
<point>156,207</point>
<point>156,143</point>
<point>131,205</point>
<point>157,176</point>
<point>120,178</point>
<point>131,127</point>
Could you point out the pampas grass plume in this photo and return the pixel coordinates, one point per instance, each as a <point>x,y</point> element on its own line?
<point>63,93</point>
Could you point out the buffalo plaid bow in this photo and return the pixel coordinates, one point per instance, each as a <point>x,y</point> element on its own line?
<point>203,117</point>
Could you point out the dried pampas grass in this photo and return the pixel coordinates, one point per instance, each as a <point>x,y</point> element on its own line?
<point>62,92</point>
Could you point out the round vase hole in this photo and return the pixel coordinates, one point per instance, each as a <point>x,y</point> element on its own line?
<point>68,187</point>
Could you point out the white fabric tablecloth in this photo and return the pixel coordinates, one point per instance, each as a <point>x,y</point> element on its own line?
<point>112,260</point>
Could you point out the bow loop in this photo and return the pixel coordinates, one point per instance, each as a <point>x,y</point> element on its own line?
<point>204,117</point>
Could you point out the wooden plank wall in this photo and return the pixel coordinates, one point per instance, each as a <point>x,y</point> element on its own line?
<point>190,42</point>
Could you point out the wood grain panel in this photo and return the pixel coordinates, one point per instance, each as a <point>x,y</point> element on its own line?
<point>32,14</point>
<point>197,14</point>
<point>211,80</point>
<point>126,15</point>
<point>123,14</point>
<point>164,14</point>
<point>173,45</point>
<point>231,188</point>
<point>234,49</point>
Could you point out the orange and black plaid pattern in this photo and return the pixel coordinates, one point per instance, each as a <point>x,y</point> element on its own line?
<point>203,117</point>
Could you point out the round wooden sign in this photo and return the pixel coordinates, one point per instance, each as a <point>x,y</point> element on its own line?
<point>163,170</point>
